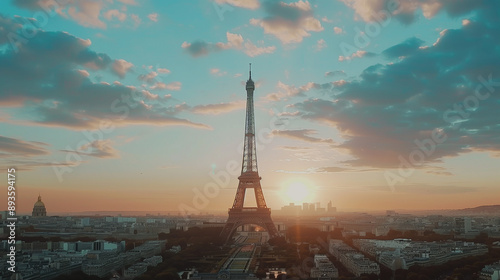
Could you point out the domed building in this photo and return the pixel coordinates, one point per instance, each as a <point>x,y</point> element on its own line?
<point>39,208</point>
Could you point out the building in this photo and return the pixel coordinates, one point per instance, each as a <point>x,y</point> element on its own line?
<point>135,270</point>
<point>404,253</point>
<point>355,262</point>
<point>490,272</point>
<point>323,268</point>
<point>464,225</point>
<point>330,209</point>
<point>101,263</point>
<point>291,209</point>
<point>39,209</point>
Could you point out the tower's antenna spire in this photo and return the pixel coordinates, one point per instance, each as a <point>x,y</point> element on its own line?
<point>250,70</point>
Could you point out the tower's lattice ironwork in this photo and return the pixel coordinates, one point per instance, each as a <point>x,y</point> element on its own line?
<point>249,179</point>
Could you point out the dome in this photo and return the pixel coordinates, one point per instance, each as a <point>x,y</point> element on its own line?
<point>39,204</point>
<point>39,209</point>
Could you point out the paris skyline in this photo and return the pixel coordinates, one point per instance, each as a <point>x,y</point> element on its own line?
<point>117,105</point>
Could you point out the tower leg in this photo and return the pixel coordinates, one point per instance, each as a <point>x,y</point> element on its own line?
<point>240,217</point>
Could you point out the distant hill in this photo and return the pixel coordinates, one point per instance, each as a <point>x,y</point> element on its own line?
<point>484,210</point>
<point>480,210</point>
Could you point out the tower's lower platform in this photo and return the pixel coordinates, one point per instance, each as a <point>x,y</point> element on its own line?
<point>248,215</point>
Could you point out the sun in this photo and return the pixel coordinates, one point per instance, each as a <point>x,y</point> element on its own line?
<point>297,192</point>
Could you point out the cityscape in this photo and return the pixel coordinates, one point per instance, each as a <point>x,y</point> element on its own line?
<point>322,244</point>
<point>259,139</point>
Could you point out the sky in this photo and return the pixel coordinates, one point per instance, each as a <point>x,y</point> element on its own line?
<point>113,105</point>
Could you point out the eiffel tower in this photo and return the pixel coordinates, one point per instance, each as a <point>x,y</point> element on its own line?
<point>249,179</point>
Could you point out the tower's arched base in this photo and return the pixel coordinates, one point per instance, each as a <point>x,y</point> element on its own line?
<point>245,216</point>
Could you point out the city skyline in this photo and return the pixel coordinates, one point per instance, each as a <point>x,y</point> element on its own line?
<point>118,105</point>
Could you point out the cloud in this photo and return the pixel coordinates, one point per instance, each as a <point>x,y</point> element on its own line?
<point>339,83</point>
<point>220,108</point>
<point>85,13</point>
<point>217,72</point>
<point>99,149</point>
<point>331,169</point>
<point>247,4</point>
<point>234,41</point>
<point>287,91</point>
<point>290,23</point>
<point>15,147</point>
<point>60,94</point>
<point>408,47</point>
<point>252,50</point>
<point>128,2</point>
<point>90,13</point>
<point>335,73</point>
<point>121,67</point>
<point>445,173</point>
<point>198,48</point>
<point>326,19</point>
<point>163,71</point>
<point>153,17</point>
<point>149,77</point>
<point>388,109</point>
<point>338,30</point>
<point>27,165</point>
<point>136,19</point>
<point>404,10</point>
<point>321,44</point>
<point>434,189</point>
<point>9,26</point>
<point>358,54</point>
<point>115,14</point>
<point>301,134</point>
<point>169,86</point>
<point>293,148</point>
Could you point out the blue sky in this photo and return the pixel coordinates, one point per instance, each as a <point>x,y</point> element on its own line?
<point>370,104</point>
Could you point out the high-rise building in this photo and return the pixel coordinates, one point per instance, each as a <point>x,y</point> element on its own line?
<point>330,209</point>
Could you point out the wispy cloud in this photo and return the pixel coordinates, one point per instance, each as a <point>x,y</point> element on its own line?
<point>357,54</point>
<point>234,41</point>
<point>301,134</point>
<point>290,23</point>
<point>10,147</point>
<point>91,13</point>
<point>247,4</point>
<point>321,44</point>
<point>153,17</point>
<point>99,149</point>
<point>286,91</point>
<point>404,10</point>
<point>220,108</point>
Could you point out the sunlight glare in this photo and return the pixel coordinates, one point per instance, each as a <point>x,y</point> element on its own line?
<point>297,192</point>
